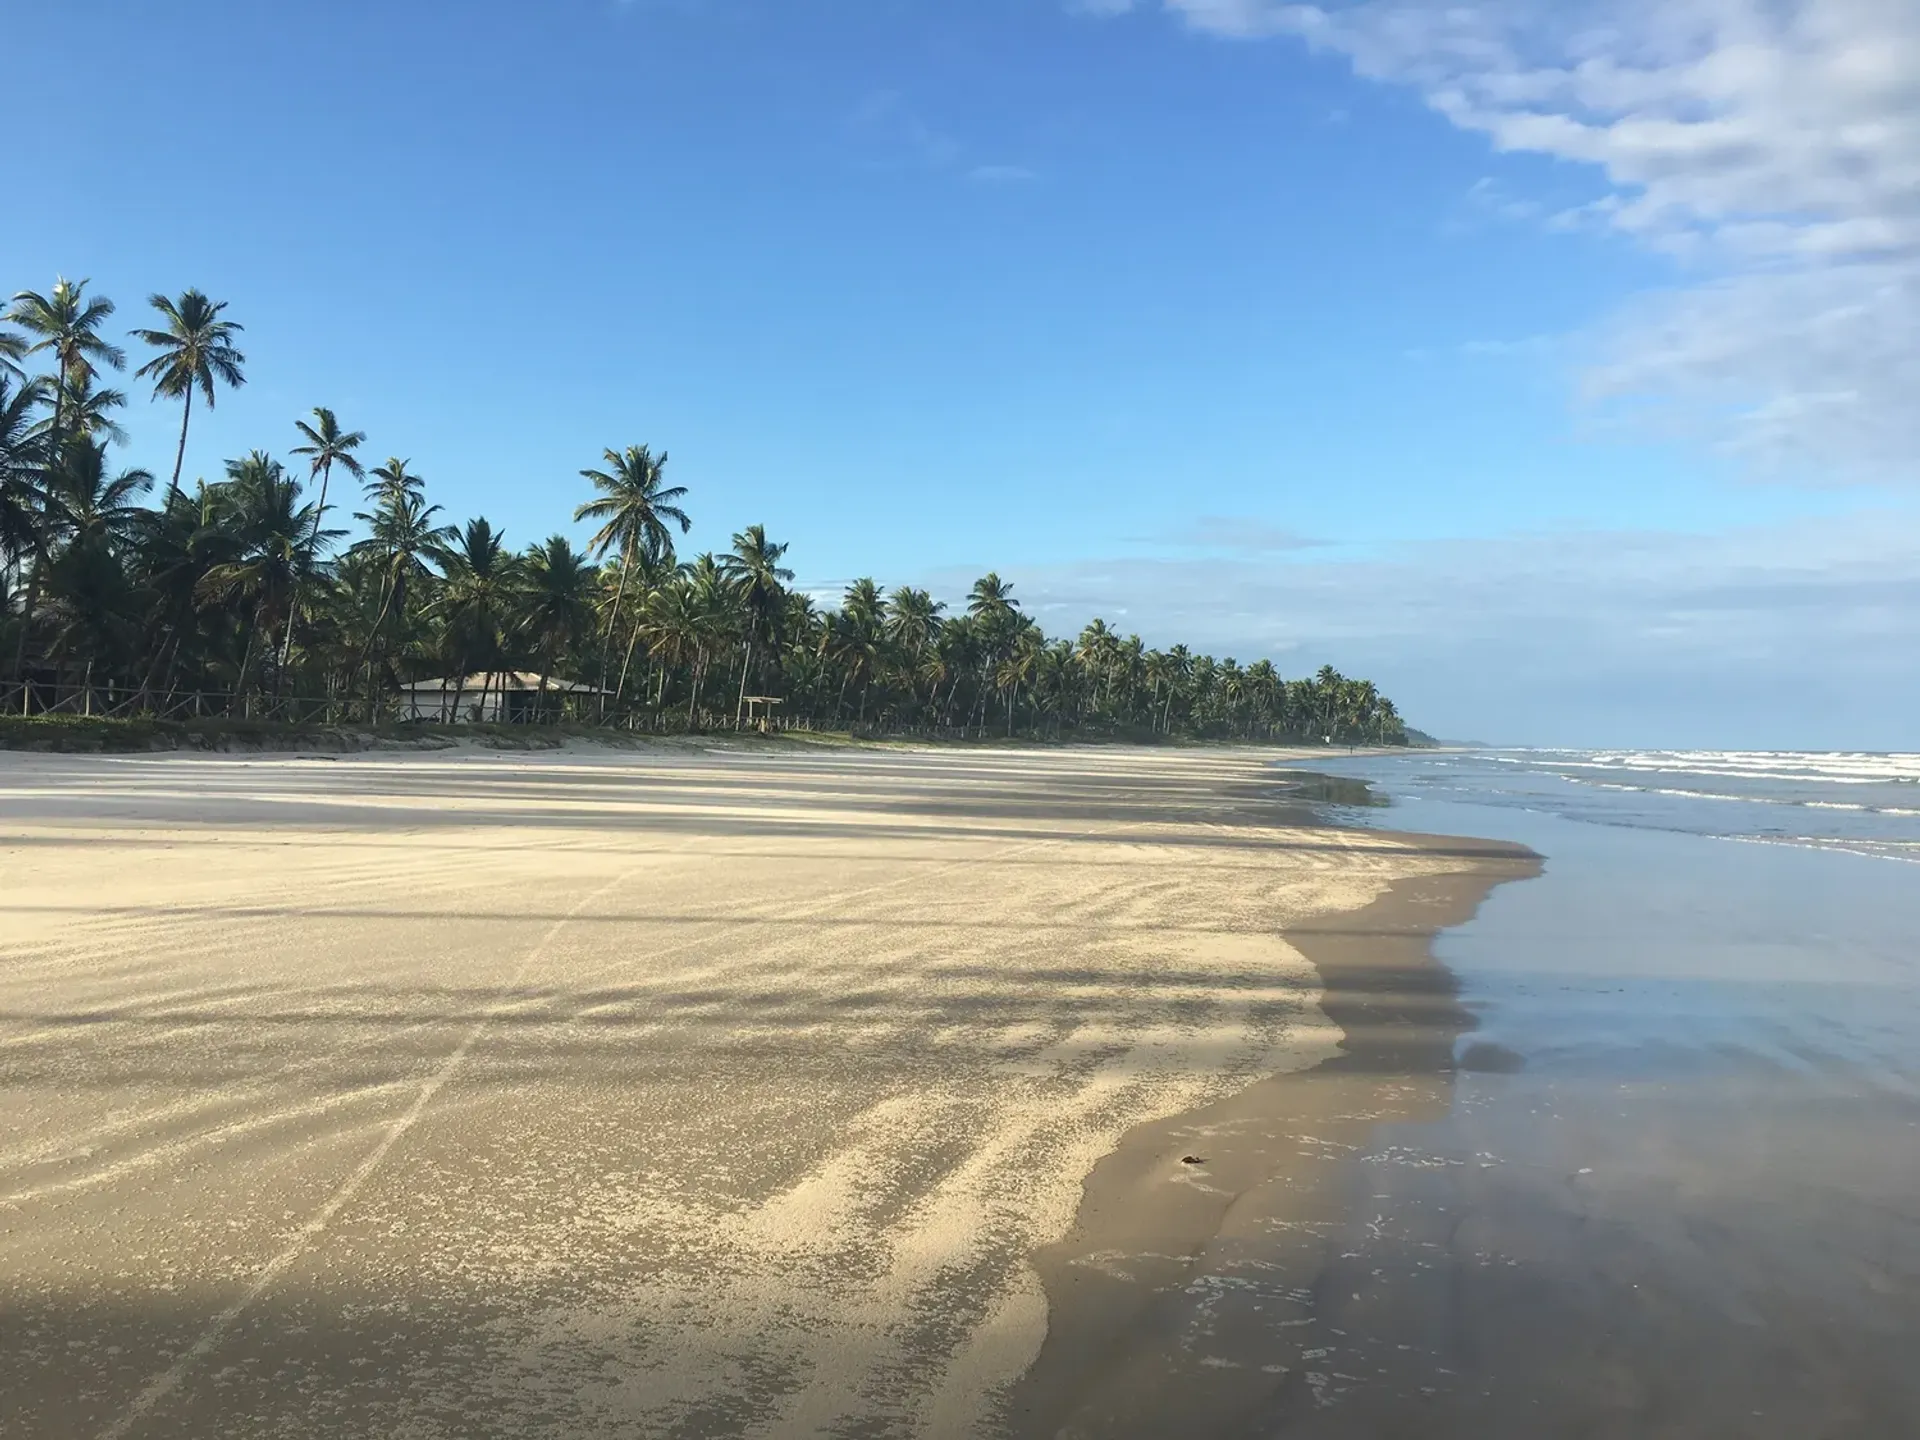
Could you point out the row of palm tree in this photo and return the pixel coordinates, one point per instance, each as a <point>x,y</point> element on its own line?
<point>245,587</point>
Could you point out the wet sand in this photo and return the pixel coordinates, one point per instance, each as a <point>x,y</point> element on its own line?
<point>1671,1188</point>
<point>677,1094</point>
<point>1208,1307</point>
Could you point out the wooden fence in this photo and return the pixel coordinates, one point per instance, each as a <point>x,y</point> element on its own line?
<point>123,702</point>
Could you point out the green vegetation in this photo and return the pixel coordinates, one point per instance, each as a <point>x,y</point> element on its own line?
<point>241,602</point>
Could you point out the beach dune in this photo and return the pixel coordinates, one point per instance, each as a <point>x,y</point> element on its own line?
<point>681,1093</point>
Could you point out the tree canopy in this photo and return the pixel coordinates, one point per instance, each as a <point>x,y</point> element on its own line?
<point>239,589</point>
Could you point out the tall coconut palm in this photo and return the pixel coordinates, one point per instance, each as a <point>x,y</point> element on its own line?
<point>1024,656</point>
<point>393,482</point>
<point>402,535</point>
<point>66,326</point>
<point>88,516</point>
<point>634,510</point>
<point>622,601</point>
<point>475,601</point>
<point>912,624</point>
<point>721,618</point>
<point>556,602</point>
<point>259,508</point>
<point>755,570</point>
<point>327,445</point>
<point>196,348</point>
<point>90,412</point>
<point>852,639</point>
<point>674,628</point>
<point>913,620</point>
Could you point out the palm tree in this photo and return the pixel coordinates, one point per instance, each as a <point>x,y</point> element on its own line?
<point>991,600</point>
<point>675,631</point>
<point>556,602</point>
<point>475,601</point>
<point>715,602</point>
<point>89,412</point>
<point>88,504</point>
<point>66,325</point>
<point>196,348</point>
<point>755,570</point>
<point>393,482</point>
<point>1022,660</point>
<point>88,514</point>
<point>852,638</point>
<point>913,620</point>
<point>402,535</point>
<point>13,349</point>
<point>327,445</point>
<point>634,509</point>
<point>22,469</point>
<point>624,591</point>
<point>259,507</point>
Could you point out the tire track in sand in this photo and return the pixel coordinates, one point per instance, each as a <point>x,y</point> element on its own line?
<point>166,1382</point>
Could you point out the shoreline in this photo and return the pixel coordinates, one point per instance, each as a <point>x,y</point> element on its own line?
<point>1140,1294</point>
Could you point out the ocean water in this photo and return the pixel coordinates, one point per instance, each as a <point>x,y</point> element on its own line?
<point>1677,1186</point>
<point>1865,804</point>
<point>1699,910</point>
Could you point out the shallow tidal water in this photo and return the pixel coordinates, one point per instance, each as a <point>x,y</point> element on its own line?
<point>1676,1189</point>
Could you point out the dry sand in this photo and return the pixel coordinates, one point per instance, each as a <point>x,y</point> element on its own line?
<point>683,1093</point>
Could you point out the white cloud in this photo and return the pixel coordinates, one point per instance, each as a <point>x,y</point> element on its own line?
<point>1001,174</point>
<point>1772,147</point>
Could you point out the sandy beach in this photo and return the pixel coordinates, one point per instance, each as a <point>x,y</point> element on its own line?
<point>690,1092</point>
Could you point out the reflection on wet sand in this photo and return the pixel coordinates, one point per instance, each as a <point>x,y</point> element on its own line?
<point>1195,1298</point>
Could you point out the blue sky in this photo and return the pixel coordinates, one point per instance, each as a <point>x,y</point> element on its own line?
<point>1527,357</point>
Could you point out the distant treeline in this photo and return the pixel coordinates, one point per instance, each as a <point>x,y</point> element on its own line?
<point>250,586</point>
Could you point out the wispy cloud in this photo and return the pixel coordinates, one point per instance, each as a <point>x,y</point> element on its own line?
<point>898,138</point>
<point>1002,174</point>
<point>1785,634</point>
<point>1771,147</point>
<point>1243,535</point>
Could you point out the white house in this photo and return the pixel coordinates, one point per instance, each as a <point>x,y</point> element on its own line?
<point>501,695</point>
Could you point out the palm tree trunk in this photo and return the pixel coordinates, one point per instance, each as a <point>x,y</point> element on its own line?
<point>746,665</point>
<point>606,643</point>
<point>246,663</point>
<point>46,480</point>
<point>313,539</point>
<point>373,636</point>
<point>620,690</point>
<point>180,455</point>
